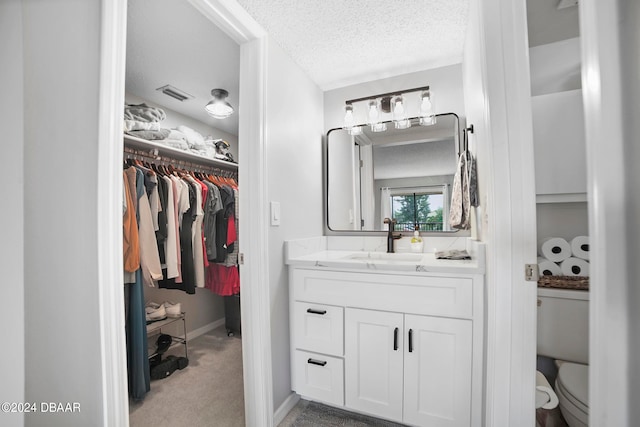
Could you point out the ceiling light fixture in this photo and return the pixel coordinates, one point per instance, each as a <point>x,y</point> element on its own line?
<point>218,107</point>
<point>395,103</point>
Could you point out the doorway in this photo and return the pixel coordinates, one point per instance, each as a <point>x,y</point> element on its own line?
<point>255,312</point>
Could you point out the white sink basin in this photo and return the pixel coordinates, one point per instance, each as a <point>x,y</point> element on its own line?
<point>387,257</point>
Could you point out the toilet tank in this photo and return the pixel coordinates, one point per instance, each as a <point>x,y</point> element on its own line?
<point>563,324</point>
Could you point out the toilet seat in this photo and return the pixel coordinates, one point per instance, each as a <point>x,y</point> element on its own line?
<point>572,387</point>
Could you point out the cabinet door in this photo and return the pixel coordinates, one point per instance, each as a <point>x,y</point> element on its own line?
<point>437,371</point>
<point>373,362</point>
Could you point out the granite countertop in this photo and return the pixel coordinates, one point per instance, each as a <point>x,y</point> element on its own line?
<point>382,261</point>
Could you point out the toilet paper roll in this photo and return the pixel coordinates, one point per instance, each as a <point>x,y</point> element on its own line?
<point>575,267</point>
<point>548,268</point>
<point>580,247</point>
<point>554,249</point>
<point>546,398</point>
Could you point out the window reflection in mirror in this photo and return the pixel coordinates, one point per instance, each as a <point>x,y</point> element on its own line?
<point>402,174</point>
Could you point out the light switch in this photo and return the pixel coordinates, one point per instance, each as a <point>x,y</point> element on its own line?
<point>275,213</point>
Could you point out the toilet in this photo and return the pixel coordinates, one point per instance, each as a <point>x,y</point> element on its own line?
<point>563,335</point>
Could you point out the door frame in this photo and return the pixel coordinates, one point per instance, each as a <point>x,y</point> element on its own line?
<point>255,307</point>
<point>503,137</point>
<point>611,199</point>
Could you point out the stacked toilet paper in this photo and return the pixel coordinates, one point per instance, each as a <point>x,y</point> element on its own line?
<point>558,257</point>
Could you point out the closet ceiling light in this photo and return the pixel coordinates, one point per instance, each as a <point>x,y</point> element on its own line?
<point>394,103</point>
<point>218,107</point>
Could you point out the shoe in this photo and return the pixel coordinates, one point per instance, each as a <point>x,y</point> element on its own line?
<point>172,309</point>
<point>155,312</point>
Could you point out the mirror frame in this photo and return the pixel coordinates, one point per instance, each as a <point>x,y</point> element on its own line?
<point>325,191</point>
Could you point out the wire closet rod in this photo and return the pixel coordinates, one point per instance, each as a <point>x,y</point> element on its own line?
<point>130,153</point>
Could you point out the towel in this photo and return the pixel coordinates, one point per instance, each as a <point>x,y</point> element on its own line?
<point>460,197</point>
<point>144,113</point>
<point>453,254</point>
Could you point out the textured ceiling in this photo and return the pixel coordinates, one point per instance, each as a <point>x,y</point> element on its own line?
<point>341,42</point>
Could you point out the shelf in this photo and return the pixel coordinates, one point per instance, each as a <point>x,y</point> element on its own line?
<point>562,198</point>
<point>156,149</point>
<point>155,328</point>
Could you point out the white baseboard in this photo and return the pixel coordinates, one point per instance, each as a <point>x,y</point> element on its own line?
<point>204,329</point>
<point>285,408</point>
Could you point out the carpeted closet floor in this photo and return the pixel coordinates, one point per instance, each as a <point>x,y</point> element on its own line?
<point>209,392</point>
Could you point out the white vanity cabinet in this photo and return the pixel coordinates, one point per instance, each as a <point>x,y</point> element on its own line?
<point>403,346</point>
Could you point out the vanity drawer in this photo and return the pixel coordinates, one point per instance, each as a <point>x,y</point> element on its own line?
<point>318,327</point>
<point>447,296</point>
<point>319,377</point>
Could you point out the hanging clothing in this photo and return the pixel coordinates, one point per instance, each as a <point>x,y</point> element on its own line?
<point>136,336</point>
<point>223,280</point>
<point>149,259</point>
<point>213,205</point>
<point>171,245</point>
<point>130,244</point>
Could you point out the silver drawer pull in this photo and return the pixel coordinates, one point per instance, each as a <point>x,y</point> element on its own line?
<point>317,362</point>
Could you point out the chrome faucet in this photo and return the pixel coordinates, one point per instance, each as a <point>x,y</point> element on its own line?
<point>390,236</point>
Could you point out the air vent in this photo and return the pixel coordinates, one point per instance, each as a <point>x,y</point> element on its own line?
<point>175,93</point>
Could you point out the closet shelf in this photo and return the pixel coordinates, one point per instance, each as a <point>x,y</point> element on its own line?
<point>156,149</point>
<point>155,328</point>
<point>561,198</point>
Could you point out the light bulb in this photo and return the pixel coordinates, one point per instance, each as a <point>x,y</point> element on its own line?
<point>348,116</point>
<point>399,114</point>
<point>426,106</point>
<point>427,116</point>
<point>398,107</point>
<point>373,112</point>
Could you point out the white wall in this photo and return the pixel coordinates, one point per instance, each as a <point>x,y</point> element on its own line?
<point>630,38</point>
<point>566,220</point>
<point>445,84</point>
<point>555,67</point>
<point>12,225</point>
<point>62,335</point>
<point>294,170</point>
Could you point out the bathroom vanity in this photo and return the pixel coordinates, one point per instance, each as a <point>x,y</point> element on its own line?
<point>397,336</point>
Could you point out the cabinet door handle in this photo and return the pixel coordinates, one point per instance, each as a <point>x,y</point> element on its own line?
<point>395,339</point>
<point>314,311</point>
<point>317,362</point>
<point>410,340</point>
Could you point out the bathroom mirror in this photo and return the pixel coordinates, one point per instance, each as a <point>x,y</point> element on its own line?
<point>405,174</point>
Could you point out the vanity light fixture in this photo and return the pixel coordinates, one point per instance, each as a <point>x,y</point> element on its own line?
<point>218,107</point>
<point>394,103</point>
